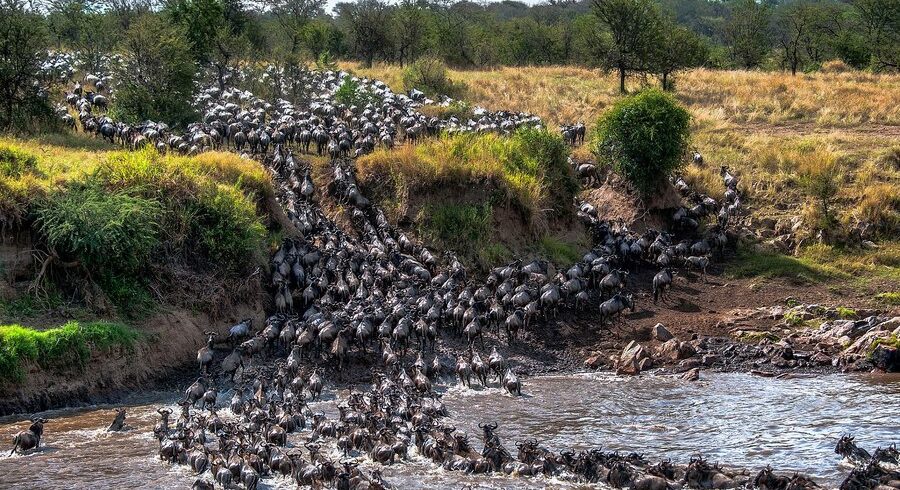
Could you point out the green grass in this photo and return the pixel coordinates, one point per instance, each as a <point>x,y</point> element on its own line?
<point>761,264</point>
<point>461,227</point>
<point>891,298</point>
<point>528,170</point>
<point>846,313</point>
<point>70,344</point>
<point>559,252</point>
<point>819,263</point>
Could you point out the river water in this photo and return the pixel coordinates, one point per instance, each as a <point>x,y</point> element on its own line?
<point>737,419</point>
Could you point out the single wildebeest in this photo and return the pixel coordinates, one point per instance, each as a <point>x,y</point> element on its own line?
<point>31,438</point>
<point>119,422</point>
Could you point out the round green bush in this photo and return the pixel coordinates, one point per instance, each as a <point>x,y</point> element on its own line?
<point>430,75</point>
<point>643,137</point>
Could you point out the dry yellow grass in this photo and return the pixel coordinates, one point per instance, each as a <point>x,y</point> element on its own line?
<point>564,94</point>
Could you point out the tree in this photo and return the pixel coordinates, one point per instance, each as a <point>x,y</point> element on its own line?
<point>676,48</point>
<point>156,81</point>
<point>633,28</point>
<point>368,26</point>
<point>23,48</point>
<point>411,25</point>
<point>747,32</point>
<point>792,26</point>
<point>643,137</point>
<point>881,19</point>
<point>201,20</point>
<point>293,16</point>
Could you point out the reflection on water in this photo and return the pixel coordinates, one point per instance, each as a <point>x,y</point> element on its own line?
<point>736,419</point>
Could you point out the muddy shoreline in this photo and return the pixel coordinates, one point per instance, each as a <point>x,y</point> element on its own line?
<point>569,347</point>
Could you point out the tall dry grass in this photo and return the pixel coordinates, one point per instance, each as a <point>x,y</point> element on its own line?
<point>565,94</point>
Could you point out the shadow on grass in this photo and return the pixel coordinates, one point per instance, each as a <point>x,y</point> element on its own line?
<point>752,263</point>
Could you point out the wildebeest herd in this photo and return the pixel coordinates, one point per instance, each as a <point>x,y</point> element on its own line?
<point>371,294</point>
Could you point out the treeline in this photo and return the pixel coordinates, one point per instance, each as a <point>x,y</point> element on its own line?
<point>774,34</point>
<point>648,37</point>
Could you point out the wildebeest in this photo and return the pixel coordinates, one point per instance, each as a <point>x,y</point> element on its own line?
<point>31,438</point>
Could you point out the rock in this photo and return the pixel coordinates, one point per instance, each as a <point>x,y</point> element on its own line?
<point>594,362</point>
<point>674,350</point>
<point>886,358</point>
<point>631,361</point>
<point>867,244</point>
<point>661,333</point>
<point>689,363</point>
<point>645,364</point>
<point>709,359</point>
<point>631,367</point>
<point>692,375</point>
<point>820,359</point>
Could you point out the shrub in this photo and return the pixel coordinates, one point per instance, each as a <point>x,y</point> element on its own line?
<point>15,162</point>
<point>69,344</point>
<point>350,93</point>
<point>461,226</point>
<point>108,230</point>
<point>644,137</point>
<point>817,174</point>
<point>227,226</point>
<point>429,74</point>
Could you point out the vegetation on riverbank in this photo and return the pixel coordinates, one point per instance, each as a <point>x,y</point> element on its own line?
<point>68,345</point>
<point>113,234</point>
<point>457,189</point>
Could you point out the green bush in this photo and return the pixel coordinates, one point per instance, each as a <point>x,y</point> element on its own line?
<point>156,81</point>
<point>644,137</point>
<point>103,229</point>
<point>429,75</point>
<point>227,226</point>
<point>15,162</point>
<point>69,344</point>
<point>462,227</point>
<point>550,152</point>
<point>350,93</point>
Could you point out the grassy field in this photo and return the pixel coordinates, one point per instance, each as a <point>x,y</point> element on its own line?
<point>766,126</point>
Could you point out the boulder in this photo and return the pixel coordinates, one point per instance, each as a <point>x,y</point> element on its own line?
<point>886,358</point>
<point>633,359</point>
<point>691,375</point>
<point>594,361</point>
<point>820,359</point>
<point>661,333</point>
<point>674,350</point>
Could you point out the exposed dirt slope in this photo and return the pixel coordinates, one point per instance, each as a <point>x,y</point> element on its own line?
<point>166,351</point>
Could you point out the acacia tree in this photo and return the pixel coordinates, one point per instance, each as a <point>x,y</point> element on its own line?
<point>676,48</point>
<point>747,32</point>
<point>411,26</point>
<point>882,23</point>
<point>368,25</point>
<point>633,27</point>
<point>157,79</point>
<point>792,26</point>
<point>23,44</point>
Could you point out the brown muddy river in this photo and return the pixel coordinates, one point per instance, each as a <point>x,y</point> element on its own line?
<point>737,419</point>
